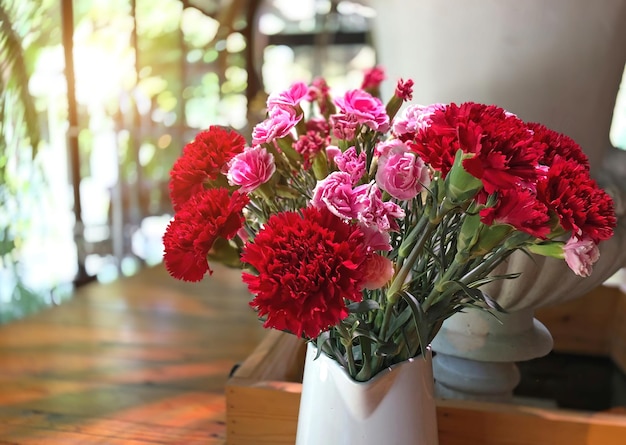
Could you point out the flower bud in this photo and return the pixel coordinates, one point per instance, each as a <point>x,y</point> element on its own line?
<point>460,186</point>
<point>470,231</point>
<point>477,239</point>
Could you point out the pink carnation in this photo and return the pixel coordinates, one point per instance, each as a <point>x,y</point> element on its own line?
<point>352,163</point>
<point>402,173</point>
<point>580,255</point>
<point>319,92</point>
<point>374,212</point>
<point>373,78</point>
<point>278,125</point>
<point>378,271</point>
<point>414,119</point>
<point>335,193</point>
<point>290,98</point>
<point>332,151</point>
<point>367,109</point>
<point>309,145</point>
<point>344,126</point>
<point>319,125</point>
<point>404,89</point>
<point>385,148</point>
<point>250,169</point>
<point>375,240</point>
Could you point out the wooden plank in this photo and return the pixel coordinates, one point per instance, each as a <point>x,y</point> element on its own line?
<point>267,414</point>
<point>39,425</point>
<point>143,360</point>
<point>473,423</point>
<point>262,363</point>
<point>594,324</point>
<point>583,325</point>
<point>264,415</point>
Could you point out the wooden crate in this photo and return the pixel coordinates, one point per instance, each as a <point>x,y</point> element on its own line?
<point>594,324</point>
<point>264,393</point>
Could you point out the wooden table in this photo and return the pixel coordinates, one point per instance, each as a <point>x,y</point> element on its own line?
<point>143,360</point>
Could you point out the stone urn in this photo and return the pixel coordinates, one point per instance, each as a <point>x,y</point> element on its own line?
<point>559,63</point>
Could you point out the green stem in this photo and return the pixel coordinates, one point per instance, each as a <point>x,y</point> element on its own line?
<point>408,263</point>
<point>393,293</point>
<point>487,266</point>
<point>410,238</point>
<point>437,290</point>
<point>351,363</point>
<point>478,272</point>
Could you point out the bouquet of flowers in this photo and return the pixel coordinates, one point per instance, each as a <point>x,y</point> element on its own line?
<point>362,228</point>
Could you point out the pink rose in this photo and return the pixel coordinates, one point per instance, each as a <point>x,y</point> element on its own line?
<point>278,125</point>
<point>378,271</point>
<point>335,192</point>
<point>580,255</point>
<point>367,109</point>
<point>414,119</point>
<point>290,98</point>
<point>352,163</point>
<point>250,169</point>
<point>402,173</point>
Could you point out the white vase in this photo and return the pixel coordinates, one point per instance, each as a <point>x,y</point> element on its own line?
<point>396,407</point>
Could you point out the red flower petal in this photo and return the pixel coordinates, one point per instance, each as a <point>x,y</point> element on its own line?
<point>506,153</point>
<point>583,207</point>
<point>202,161</point>
<point>520,209</point>
<point>307,266</point>
<point>200,221</point>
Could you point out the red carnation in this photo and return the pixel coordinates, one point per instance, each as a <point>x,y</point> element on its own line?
<point>308,265</point>
<point>202,161</point>
<point>582,206</point>
<point>196,225</point>
<point>520,209</point>
<point>557,144</point>
<point>505,153</point>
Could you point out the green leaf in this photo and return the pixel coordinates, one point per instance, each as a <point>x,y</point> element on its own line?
<point>398,322</point>
<point>493,304</point>
<point>474,294</point>
<point>419,317</point>
<point>552,249</point>
<point>365,373</point>
<point>363,306</point>
<point>366,333</point>
<point>322,339</point>
<point>490,278</point>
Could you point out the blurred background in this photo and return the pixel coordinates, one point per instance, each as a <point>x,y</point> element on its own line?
<point>99,97</point>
